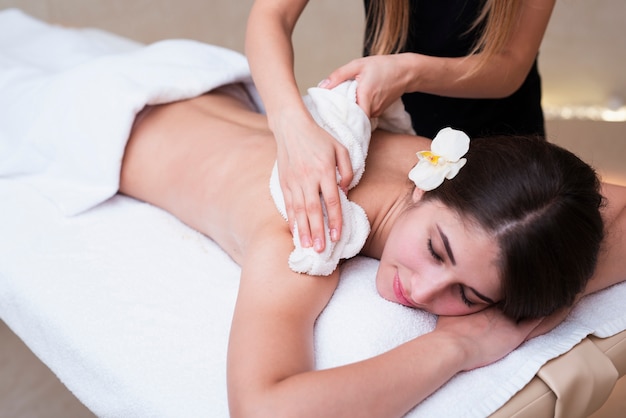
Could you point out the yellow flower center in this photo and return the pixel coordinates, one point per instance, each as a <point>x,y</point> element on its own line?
<point>433,158</point>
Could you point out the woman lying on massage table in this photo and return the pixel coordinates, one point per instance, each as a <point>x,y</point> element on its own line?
<point>514,236</point>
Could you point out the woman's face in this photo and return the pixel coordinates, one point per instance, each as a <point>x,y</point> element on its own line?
<point>434,261</point>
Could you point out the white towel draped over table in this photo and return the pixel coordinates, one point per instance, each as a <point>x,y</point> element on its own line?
<point>128,306</point>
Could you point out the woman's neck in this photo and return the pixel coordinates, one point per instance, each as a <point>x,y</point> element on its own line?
<point>382,215</point>
<point>385,189</point>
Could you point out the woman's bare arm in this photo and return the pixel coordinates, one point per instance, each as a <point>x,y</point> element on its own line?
<point>271,360</point>
<point>175,154</point>
<point>611,267</point>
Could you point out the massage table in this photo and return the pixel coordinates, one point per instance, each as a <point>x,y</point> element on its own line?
<point>131,309</point>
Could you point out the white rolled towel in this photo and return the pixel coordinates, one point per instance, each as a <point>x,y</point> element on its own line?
<point>337,112</point>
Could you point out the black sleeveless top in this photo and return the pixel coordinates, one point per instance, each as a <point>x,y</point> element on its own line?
<point>440,28</point>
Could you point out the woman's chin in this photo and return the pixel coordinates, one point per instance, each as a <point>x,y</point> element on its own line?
<point>382,290</point>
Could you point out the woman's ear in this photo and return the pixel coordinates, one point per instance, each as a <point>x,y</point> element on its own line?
<point>417,194</point>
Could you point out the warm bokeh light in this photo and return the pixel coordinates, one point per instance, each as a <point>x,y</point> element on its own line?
<point>596,113</point>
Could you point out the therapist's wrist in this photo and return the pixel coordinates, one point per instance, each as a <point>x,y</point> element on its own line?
<point>290,119</point>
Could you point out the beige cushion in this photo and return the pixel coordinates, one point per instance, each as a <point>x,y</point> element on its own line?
<point>575,384</point>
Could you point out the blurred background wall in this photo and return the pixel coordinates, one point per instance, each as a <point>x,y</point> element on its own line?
<point>582,58</point>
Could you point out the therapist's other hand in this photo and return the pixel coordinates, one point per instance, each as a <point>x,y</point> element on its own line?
<point>381,81</point>
<point>308,161</point>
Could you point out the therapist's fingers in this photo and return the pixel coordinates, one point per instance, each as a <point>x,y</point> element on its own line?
<point>365,102</point>
<point>333,206</point>
<point>332,201</point>
<point>291,216</point>
<point>349,71</point>
<point>352,71</point>
<point>304,207</point>
<point>310,217</point>
<point>295,208</point>
<point>344,167</point>
<point>297,215</point>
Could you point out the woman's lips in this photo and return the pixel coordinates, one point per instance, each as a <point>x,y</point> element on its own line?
<point>398,290</point>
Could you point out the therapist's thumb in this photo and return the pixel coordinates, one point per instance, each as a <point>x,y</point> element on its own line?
<point>341,74</point>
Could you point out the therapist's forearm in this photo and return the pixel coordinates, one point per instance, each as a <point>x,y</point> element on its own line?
<point>455,77</point>
<point>270,53</point>
<point>498,75</point>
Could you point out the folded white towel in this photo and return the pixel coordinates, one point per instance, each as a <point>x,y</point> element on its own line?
<point>53,74</point>
<point>337,112</point>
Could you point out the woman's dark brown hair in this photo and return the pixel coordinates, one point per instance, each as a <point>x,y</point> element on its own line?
<point>542,204</point>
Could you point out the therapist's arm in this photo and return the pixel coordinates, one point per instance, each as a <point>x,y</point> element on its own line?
<point>384,78</point>
<point>308,157</point>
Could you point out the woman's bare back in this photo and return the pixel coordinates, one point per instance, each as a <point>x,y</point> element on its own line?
<point>207,161</point>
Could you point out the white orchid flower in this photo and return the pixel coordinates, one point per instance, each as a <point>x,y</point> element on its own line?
<point>443,161</point>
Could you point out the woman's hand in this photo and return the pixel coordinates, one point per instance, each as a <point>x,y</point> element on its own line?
<point>486,336</point>
<point>382,79</point>
<point>308,161</point>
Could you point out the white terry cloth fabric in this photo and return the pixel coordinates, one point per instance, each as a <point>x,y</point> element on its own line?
<point>131,309</point>
<point>79,82</point>
<point>337,112</point>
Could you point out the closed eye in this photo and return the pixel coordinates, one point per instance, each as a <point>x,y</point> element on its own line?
<point>464,298</point>
<point>436,256</point>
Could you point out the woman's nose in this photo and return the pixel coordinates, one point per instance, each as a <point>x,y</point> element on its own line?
<point>426,290</point>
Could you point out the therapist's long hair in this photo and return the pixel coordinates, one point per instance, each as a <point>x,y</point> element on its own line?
<point>542,205</point>
<point>389,23</point>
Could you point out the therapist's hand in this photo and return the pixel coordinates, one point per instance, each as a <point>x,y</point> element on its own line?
<point>382,79</point>
<point>308,159</point>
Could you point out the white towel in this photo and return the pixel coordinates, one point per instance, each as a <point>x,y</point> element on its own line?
<point>89,85</point>
<point>337,112</point>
